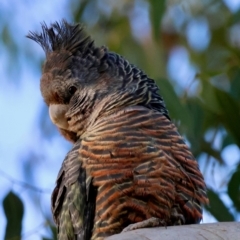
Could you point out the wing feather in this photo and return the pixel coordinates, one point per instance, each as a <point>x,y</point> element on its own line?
<point>73,199</point>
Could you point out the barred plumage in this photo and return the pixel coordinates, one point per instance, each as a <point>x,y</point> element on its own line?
<point>128,165</point>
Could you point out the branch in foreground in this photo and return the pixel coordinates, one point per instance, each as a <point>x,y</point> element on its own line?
<point>213,231</point>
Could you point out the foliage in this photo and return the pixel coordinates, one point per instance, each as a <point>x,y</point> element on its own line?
<point>13,208</point>
<point>212,107</point>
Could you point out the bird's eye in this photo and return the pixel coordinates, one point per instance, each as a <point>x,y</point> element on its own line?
<point>72,90</point>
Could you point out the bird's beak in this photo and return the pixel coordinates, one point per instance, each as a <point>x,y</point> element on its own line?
<point>57,115</point>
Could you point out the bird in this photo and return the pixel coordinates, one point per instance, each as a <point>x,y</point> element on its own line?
<point>129,167</point>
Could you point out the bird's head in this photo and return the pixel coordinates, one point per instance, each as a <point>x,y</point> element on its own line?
<point>80,81</point>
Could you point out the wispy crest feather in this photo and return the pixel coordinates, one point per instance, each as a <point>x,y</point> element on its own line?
<point>62,36</point>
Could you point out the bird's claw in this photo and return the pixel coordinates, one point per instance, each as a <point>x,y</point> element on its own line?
<point>151,222</point>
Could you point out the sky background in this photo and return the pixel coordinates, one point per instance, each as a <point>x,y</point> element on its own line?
<point>21,108</point>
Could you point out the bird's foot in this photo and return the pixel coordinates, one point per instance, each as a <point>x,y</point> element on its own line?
<point>151,222</point>
<point>177,218</point>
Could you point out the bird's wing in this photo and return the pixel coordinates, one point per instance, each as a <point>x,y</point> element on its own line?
<point>73,199</point>
<point>142,168</point>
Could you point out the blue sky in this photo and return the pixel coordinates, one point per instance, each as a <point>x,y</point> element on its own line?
<point>21,102</point>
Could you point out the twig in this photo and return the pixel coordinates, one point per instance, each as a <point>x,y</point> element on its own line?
<point>24,184</point>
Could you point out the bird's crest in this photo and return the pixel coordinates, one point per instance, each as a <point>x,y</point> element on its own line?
<point>62,36</point>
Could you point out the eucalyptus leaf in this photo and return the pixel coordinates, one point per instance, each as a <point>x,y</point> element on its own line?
<point>234,188</point>
<point>13,209</point>
<point>217,208</point>
<point>156,12</point>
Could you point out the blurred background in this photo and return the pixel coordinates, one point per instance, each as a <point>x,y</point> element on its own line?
<point>190,47</point>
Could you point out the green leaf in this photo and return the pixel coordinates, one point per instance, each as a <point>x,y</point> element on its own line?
<point>235,18</point>
<point>217,208</point>
<point>235,83</point>
<point>79,9</point>
<point>224,106</point>
<point>157,8</point>
<point>230,113</point>
<point>13,209</point>
<point>54,232</point>
<point>176,109</point>
<point>227,140</point>
<point>209,97</point>
<point>234,188</point>
<point>194,128</point>
<point>206,147</point>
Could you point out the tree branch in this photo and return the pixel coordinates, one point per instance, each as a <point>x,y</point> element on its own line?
<point>214,231</point>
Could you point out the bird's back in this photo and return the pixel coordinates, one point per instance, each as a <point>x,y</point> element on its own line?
<point>142,168</point>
